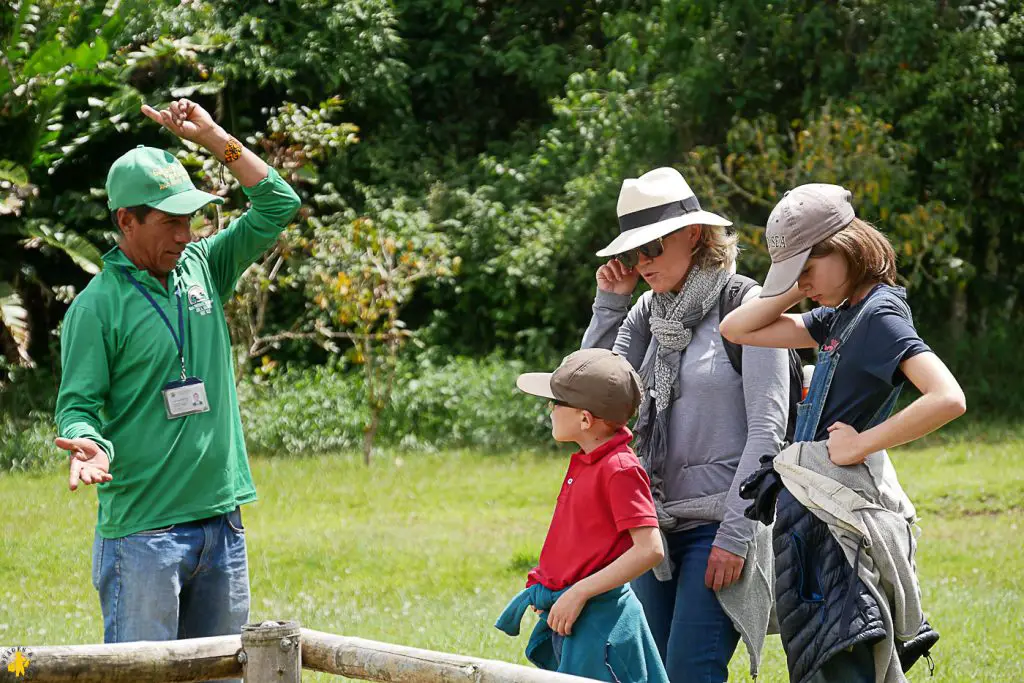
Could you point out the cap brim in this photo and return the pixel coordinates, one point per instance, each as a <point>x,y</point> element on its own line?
<point>186,203</point>
<point>782,275</point>
<point>536,384</point>
<point>631,239</point>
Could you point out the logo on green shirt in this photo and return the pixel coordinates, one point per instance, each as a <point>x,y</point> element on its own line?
<point>198,301</point>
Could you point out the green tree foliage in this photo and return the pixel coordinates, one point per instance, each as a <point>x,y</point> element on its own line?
<point>364,273</point>
<point>45,61</point>
<point>932,150</point>
<point>501,133</point>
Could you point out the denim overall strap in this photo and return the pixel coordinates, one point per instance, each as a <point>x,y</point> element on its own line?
<point>885,410</point>
<point>809,410</point>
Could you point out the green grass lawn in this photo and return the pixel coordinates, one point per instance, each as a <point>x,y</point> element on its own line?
<point>426,550</point>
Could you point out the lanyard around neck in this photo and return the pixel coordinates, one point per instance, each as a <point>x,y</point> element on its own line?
<point>179,338</point>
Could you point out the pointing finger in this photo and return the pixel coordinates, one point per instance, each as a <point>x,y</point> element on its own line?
<point>152,113</point>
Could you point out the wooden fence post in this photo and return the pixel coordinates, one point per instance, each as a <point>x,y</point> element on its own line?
<point>271,652</point>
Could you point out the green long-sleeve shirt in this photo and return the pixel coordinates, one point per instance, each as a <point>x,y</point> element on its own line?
<point>118,355</point>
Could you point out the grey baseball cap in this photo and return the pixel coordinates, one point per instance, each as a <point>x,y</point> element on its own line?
<point>805,215</point>
<point>592,379</point>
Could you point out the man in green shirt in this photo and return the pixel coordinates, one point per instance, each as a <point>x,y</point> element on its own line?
<point>147,404</point>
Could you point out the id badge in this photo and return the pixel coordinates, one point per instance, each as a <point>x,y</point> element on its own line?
<point>185,397</point>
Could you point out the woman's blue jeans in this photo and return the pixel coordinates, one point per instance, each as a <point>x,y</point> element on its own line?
<point>695,637</point>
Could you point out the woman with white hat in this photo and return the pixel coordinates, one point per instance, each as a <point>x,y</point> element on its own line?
<point>702,425</point>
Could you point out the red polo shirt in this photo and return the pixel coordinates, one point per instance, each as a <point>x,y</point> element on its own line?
<point>605,494</point>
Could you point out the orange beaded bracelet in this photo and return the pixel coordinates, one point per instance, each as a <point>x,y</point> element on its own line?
<point>232,151</point>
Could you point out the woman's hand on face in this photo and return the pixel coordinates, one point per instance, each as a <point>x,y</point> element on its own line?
<point>616,278</point>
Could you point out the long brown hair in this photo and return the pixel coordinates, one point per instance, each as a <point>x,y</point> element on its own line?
<point>869,256</point>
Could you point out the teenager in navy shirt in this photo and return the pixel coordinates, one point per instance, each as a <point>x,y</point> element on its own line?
<point>867,346</point>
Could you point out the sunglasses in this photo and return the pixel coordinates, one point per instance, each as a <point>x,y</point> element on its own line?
<point>555,402</point>
<point>651,250</point>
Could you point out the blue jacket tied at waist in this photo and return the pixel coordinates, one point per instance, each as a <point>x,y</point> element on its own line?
<point>610,640</point>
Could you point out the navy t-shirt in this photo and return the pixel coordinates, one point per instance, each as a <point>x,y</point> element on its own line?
<point>869,360</point>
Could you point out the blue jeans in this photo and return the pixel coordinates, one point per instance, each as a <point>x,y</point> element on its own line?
<point>694,635</point>
<point>185,581</point>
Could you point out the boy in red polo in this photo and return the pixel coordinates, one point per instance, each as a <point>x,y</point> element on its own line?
<point>604,532</point>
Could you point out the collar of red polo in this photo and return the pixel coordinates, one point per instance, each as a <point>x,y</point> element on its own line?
<point>615,443</point>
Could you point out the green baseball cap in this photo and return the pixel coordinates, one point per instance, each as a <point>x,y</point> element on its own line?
<point>152,177</point>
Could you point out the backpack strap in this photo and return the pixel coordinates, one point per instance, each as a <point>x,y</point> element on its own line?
<point>736,287</point>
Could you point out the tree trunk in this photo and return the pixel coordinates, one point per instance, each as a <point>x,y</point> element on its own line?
<point>43,316</point>
<point>9,346</point>
<point>370,433</point>
<point>958,313</point>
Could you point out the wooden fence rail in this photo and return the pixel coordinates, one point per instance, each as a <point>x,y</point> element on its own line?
<point>264,653</point>
<point>178,661</point>
<point>372,661</point>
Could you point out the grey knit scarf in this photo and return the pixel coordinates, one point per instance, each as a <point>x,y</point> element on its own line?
<point>673,317</point>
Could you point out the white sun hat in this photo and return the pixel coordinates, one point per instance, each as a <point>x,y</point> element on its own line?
<point>652,206</point>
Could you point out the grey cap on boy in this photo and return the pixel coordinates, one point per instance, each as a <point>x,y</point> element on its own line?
<point>806,215</point>
<point>591,379</point>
